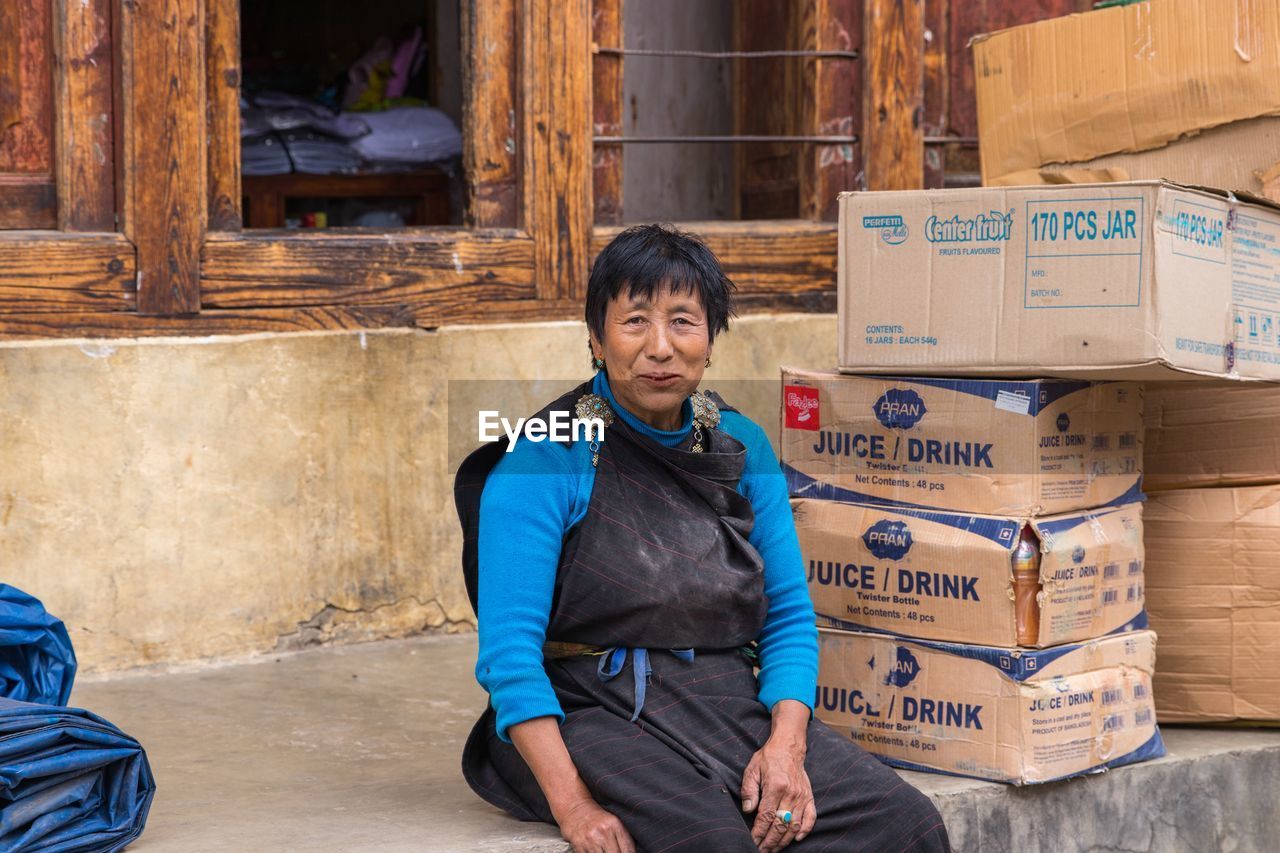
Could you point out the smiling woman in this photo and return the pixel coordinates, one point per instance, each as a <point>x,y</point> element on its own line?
<point>667,547</point>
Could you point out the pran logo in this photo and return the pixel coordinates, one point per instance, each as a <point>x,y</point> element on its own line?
<point>904,669</point>
<point>899,408</point>
<point>801,407</point>
<point>888,540</point>
<point>1077,554</point>
<point>1063,423</point>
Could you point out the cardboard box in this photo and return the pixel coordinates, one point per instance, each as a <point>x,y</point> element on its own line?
<point>1211,434</point>
<point>1213,591</point>
<point>1008,715</point>
<point>1000,448</point>
<point>1067,90</point>
<point>940,576</point>
<point>1235,156</point>
<point>1142,280</point>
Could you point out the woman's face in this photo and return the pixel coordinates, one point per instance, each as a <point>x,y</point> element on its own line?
<point>655,351</point>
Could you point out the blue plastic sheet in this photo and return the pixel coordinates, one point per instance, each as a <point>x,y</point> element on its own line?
<point>37,663</point>
<point>69,781</point>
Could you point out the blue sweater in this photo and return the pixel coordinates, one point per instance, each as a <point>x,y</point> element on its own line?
<point>540,490</point>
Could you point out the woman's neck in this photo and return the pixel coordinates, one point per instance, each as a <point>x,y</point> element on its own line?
<point>672,423</point>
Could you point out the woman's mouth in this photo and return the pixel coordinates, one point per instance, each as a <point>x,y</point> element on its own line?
<point>660,379</point>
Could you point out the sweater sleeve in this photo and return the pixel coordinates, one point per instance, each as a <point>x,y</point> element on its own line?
<point>525,509</point>
<point>788,643</point>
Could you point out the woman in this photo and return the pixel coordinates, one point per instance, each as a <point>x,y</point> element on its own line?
<point>667,549</point>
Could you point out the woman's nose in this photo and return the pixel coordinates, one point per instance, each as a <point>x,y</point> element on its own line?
<point>659,344</point>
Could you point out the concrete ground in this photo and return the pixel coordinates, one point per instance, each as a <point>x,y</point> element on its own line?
<point>355,748</point>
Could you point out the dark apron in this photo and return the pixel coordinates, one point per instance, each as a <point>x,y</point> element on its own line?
<point>660,563</point>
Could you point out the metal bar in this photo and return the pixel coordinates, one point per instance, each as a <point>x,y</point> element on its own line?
<point>728,54</point>
<point>821,140</point>
<point>951,140</point>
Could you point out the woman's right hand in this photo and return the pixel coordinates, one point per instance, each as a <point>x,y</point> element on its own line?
<point>583,823</point>
<point>591,829</point>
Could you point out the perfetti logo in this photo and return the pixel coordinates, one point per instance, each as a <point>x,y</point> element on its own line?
<point>904,670</point>
<point>899,408</point>
<point>892,228</point>
<point>801,407</point>
<point>888,540</point>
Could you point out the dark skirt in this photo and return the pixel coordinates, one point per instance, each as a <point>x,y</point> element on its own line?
<point>673,776</point>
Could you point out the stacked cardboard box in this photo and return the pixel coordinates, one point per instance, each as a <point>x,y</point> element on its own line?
<point>1190,291</point>
<point>1214,546</point>
<point>1135,106</point>
<point>911,497</point>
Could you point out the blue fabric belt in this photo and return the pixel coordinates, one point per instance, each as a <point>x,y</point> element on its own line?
<point>613,659</point>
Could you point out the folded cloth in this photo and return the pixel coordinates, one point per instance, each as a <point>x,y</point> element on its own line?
<point>268,111</point>
<point>69,781</point>
<point>264,155</point>
<point>318,154</point>
<point>413,135</point>
<point>37,663</point>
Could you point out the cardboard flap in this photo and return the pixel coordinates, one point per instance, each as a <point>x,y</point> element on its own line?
<point>1128,78</point>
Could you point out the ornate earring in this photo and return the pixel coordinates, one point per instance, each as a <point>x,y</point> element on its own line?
<point>708,364</point>
<point>597,363</point>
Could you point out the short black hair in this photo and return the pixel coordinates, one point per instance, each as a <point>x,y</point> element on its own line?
<point>646,258</point>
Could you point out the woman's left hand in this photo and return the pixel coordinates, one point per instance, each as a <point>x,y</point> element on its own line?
<point>775,782</point>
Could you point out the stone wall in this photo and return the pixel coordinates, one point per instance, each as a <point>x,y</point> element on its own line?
<point>182,499</point>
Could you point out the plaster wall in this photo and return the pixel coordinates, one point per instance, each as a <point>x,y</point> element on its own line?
<point>183,499</point>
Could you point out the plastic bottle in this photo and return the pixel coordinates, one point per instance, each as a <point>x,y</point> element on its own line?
<point>1026,586</point>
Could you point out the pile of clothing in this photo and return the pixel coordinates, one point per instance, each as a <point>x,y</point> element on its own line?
<point>372,126</point>
<point>69,780</point>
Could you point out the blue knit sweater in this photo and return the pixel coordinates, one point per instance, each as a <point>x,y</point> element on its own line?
<point>540,490</point>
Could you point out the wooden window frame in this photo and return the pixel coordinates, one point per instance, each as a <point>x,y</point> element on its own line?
<point>780,264</point>
<point>181,264</point>
<point>71,262</point>
<point>510,262</point>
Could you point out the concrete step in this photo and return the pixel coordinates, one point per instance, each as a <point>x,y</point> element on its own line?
<point>356,748</point>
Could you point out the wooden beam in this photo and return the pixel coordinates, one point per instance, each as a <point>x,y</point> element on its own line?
<point>831,99</point>
<point>765,103</point>
<point>222,81</point>
<point>60,272</point>
<point>28,201</point>
<point>893,125</point>
<point>556,48</point>
<point>84,133</point>
<point>490,42</point>
<point>937,87</point>
<point>161,160</point>
<point>765,258</point>
<point>89,324</point>
<point>606,105</point>
<point>433,274</point>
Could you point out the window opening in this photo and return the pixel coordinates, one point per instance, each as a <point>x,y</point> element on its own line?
<point>713,121</point>
<point>350,116</point>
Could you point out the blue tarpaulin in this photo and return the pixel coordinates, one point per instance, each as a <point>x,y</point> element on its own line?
<point>37,663</point>
<point>69,781</point>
